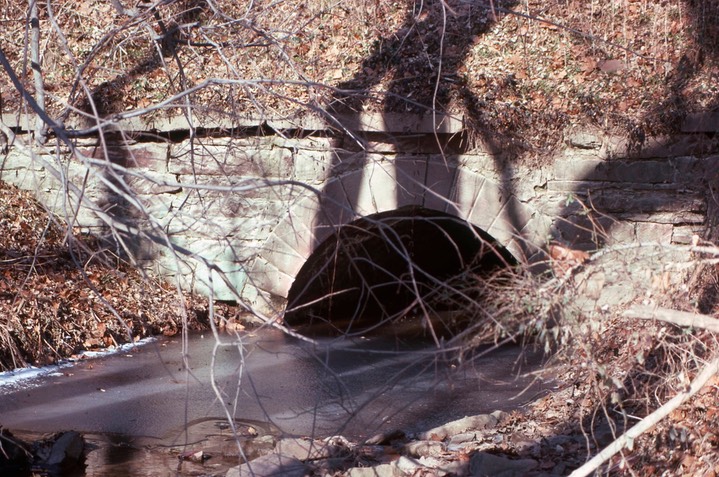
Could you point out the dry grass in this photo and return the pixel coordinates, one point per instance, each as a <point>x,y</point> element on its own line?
<point>612,370</point>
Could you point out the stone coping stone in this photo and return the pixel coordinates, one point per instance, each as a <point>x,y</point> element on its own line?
<point>381,122</point>
<point>425,448</point>
<point>311,449</point>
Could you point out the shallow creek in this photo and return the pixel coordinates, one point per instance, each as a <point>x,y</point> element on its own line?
<point>131,404</point>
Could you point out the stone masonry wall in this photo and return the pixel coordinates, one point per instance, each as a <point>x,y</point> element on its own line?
<point>220,196</point>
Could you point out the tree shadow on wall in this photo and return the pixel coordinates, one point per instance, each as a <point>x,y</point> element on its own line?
<point>644,181</point>
<point>129,236</point>
<point>420,65</point>
<point>659,184</point>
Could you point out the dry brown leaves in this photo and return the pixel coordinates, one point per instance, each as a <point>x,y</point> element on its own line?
<point>543,65</point>
<point>564,259</point>
<point>577,421</point>
<point>55,301</point>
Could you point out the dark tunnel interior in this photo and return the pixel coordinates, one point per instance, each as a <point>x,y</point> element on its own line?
<point>375,270</point>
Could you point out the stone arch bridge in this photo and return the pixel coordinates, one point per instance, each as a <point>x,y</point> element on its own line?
<point>248,203</point>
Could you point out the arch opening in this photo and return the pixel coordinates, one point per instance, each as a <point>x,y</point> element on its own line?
<point>393,267</point>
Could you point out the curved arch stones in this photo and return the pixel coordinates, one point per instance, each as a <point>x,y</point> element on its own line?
<point>382,186</point>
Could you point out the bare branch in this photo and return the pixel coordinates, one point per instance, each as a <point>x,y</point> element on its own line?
<point>681,318</point>
<point>34,20</point>
<point>626,440</point>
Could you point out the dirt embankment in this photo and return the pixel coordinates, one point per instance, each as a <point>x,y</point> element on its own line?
<point>521,73</point>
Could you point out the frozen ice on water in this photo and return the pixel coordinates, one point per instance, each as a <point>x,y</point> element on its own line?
<point>24,377</point>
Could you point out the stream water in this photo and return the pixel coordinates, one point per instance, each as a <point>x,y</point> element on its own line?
<point>158,395</point>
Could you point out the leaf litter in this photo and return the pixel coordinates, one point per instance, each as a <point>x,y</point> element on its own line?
<point>57,298</point>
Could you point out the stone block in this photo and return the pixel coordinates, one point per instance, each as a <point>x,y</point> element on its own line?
<point>658,233</point>
<point>180,122</point>
<point>478,422</point>
<point>537,230</point>
<point>382,470</point>
<point>610,201</point>
<point>17,160</point>
<point>585,139</point>
<point>441,178</point>
<point>311,220</point>
<point>271,465</point>
<point>306,449</point>
<point>334,163</point>
<point>216,267</point>
<point>425,448</point>
<point>229,159</point>
<point>677,217</point>
<point>265,305</point>
<point>572,186</point>
<point>314,167</point>
<point>336,206</point>
<point>151,183</point>
<point>487,206</point>
<point>308,143</point>
<point>150,156</point>
<point>283,256</point>
<point>210,225</point>
<point>556,204</point>
<point>584,170</point>
<point>480,163</point>
<point>621,232</point>
<point>465,191</point>
<point>483,464</point>
<point>401,122</point>
<point>411,188</point>
<point>219,205</point>
<point>683,234</point>
<point>528,246</point>
<point>296,235</point>
<point>510,220</point>
<point>372,190</point>
<point>267,277</point>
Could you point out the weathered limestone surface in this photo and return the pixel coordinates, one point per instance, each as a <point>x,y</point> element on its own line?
<point>245,211</point>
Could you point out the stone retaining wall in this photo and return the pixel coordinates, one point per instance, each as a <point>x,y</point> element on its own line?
<point>254,198</point>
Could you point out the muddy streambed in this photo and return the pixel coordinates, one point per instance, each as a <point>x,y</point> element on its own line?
<point>143,406</point>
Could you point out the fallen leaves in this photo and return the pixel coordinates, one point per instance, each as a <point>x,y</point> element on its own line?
<point>569,50</point>
<point>563,259</point>
<point>50,308</point>
<point>611,66</point>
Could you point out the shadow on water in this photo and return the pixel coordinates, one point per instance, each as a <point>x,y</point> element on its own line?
<point>280,387</point>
